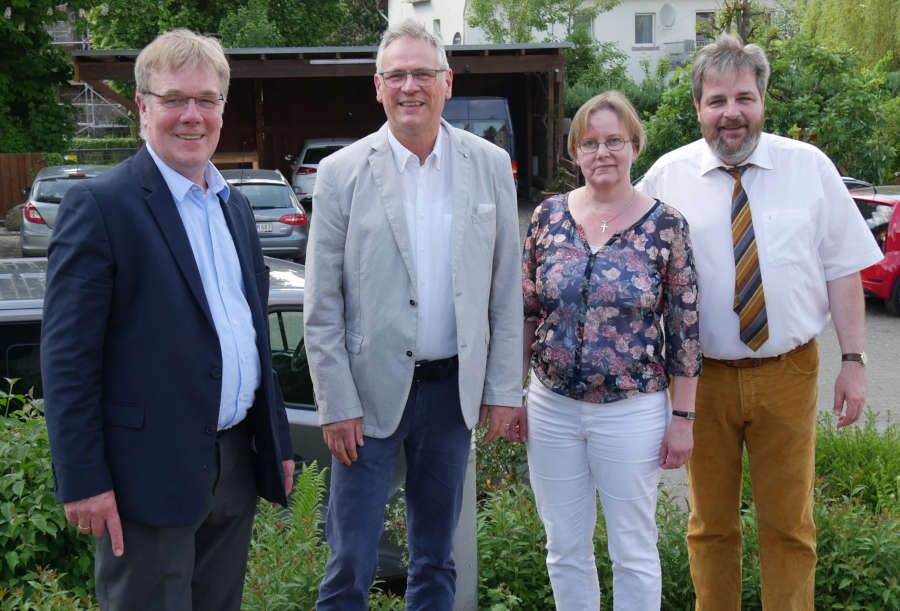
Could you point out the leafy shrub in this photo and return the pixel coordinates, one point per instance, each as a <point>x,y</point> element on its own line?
<point>33,528</point>
<point>43,590</point>
<point>861,462</point>
<point>498,463</point>
<point>287,553</point>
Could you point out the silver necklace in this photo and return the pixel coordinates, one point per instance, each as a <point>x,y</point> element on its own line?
<point>605,224</point>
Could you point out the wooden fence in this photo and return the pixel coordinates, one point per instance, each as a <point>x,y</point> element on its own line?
<point>17,170</point>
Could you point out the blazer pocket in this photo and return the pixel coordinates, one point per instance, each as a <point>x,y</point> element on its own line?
<point>353,342</point>
<point>128,416</point>
<point>484,213</point>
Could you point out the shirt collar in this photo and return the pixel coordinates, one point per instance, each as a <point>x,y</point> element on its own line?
<point>761,157</point>
<point>179,185</point>
<point>402,155</point>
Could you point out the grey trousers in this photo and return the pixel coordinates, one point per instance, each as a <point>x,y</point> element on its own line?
<point>193,568</point>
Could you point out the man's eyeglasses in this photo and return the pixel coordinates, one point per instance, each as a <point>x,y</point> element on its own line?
<point>592,146</point>
<point>172,101</point>
<point>423,77</point>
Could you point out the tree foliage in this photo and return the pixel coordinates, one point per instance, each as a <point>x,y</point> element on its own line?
<point>125,24</point>
<point>814,94</point>
<point>520,20</point>
<point>871,28</point>
<point>31,118</point>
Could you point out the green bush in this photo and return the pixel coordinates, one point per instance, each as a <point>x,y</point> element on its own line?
<point>33,528</point>
<point>43,590</point>
<point>860,462</point>
<point>287,553</point>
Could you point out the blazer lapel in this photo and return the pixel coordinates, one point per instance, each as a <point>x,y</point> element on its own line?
<point>387,180</point>
<point>162,207</point>
<point>242,247</point>
<point>461,172</point>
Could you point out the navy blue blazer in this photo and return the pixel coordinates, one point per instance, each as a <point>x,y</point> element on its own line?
<point>130,359</point>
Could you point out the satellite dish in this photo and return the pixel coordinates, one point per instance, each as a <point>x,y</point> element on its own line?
<point>667,15</point>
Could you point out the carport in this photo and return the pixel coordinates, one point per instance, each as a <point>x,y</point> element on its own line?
<point>279,97</point>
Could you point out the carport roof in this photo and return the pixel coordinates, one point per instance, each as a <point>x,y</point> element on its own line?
<point>299,62</point>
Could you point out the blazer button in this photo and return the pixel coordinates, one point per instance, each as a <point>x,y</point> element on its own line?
<point>210,429</point>
<point>412,302</point>
<point>215,373</point>
<point>409,353</point>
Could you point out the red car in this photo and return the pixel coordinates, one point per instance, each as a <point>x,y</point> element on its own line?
<point>880,206</point>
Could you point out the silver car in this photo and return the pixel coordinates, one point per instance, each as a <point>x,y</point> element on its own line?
<point>44,196</point>
<point>306,164</point>
<point>281,221</point>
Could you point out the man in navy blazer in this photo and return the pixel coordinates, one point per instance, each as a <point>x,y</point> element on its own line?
<point>164,414</point>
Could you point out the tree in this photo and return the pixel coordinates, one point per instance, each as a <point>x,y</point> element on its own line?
<point>125,24</point>
<point>250,26</point>
<point>31,117</point>
<point>871,28</point>
<point>364,24</point>
<point>814,94</point>
<point>519,20</point>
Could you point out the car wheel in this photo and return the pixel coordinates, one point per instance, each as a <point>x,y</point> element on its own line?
<point>892,304</point>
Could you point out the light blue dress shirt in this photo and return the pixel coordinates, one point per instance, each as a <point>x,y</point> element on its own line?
<point>220,272</point>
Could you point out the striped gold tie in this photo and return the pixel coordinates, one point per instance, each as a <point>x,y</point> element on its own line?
<point>749,300</point>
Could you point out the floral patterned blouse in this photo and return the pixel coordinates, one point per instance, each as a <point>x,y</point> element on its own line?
<point>615,322</point>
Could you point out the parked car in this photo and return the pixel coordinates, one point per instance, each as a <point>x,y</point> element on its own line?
<point>306,164</point>
<point>44,196</point>
<point>22,284</point>
<point>854,183</point>
<point>281,220</point>
<point>880,206</point>
<point>487,117</point>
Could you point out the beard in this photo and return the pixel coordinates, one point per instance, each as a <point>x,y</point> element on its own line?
<point>730,152</point>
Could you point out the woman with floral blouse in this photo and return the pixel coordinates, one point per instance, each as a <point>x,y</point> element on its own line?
<point>610,319</point>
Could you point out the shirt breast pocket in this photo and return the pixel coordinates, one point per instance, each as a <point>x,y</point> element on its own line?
<point>788,236</point>
<point>484,213</point>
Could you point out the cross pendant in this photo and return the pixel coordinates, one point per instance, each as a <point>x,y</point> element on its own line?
<point>603,227</point>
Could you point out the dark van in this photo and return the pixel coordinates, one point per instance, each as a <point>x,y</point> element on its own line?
<point>486,117</point>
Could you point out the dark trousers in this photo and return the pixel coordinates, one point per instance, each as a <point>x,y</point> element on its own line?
<point>193,568</point>
<point>436,441</point>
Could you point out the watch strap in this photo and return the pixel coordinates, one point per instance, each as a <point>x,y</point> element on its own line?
<point>682,414</point>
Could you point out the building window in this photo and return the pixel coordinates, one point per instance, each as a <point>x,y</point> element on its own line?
<point>643,29</point>
<point>584,21</point>
<point>436,27</point>
<point>706,28</point>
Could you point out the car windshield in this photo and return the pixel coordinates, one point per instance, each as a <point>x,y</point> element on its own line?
<point>265,196</point>
<point>317,154</point>
<point>491,130</point>
<point>52,190</point>
<point>875,214</point>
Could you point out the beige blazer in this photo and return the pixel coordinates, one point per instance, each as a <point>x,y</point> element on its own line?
<point>359,312</point>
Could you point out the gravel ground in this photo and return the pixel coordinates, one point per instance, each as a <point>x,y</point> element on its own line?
<point>9,244</point>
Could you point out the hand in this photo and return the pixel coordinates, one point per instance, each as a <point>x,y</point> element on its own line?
<point>96,515</point>
<point>288,468</point>
<point>342,438</point>
<point>849,391</point>
<point>499,418</point>
<point>677,443</point>
<point>518,426</point>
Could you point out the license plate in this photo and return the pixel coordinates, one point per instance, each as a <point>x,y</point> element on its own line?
<point>264,227</point>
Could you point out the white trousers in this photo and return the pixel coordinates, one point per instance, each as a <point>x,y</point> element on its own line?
<point>576,448</point>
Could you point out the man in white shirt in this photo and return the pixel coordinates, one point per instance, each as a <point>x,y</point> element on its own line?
<point>775,210</point>
<point>413,320</point>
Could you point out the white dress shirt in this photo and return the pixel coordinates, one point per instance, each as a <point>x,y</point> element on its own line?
<point>427,204</point>
<point>223,285</point>
<point>808,232</point>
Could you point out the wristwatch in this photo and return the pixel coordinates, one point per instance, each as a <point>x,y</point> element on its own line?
<point>687,415</point>
<point>859,357</point>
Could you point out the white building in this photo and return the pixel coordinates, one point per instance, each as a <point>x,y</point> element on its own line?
<point>645,30</point>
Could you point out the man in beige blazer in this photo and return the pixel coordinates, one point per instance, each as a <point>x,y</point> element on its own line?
<point>413,313</point>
